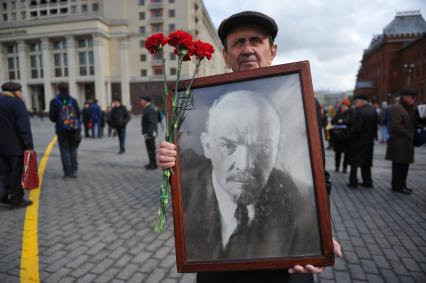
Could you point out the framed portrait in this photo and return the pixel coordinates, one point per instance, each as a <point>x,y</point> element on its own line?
<point>248,187</point>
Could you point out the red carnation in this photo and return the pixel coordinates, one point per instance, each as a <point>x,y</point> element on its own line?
<point>155,42</point>
<point>203,50</point>
<point>181,40</point>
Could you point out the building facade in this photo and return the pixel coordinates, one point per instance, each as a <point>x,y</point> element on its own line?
<point>395,59</point>
<point>97,47</point>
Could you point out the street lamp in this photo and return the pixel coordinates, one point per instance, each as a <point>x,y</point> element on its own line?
<point>409,68</point>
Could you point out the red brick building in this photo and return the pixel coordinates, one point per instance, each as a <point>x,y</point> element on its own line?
<point>395,59</point>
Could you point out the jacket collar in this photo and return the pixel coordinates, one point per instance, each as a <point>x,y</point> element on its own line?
<point>8,93</point>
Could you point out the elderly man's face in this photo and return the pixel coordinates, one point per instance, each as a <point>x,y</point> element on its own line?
<point>242,147</point>
<point>248,47</point>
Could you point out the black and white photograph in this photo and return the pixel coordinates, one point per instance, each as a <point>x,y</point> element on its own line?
<point>245,171</point>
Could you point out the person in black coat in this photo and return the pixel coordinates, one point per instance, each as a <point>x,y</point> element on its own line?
<point>341,121</point>
<point>86,118</point>
<point>149,130</point>
<point>118,119</point>
<point>361,142</point>
<point>15,138</point>
<point>69,138</point>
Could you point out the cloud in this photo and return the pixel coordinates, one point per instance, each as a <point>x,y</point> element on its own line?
<point>330,34</point>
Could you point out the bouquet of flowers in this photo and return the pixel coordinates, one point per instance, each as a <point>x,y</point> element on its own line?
<point>186,48</point>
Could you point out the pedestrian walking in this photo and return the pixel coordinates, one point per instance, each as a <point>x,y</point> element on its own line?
<point>149,130</point>
<point>383,122</point>
<point>400,147</point>
<point>15,138</point>
<point>108,120</point>
<point>65,113</point>
<point>341,123</point>
<point>361,142</point>
<point>86,119</point>
<point>119,117</point>
<point>96,119</point>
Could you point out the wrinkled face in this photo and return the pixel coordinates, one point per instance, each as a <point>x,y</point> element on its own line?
<point>248,47</point>
<point>242,148</point>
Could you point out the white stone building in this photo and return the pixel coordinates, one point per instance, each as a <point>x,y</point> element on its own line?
<point>96,46</point>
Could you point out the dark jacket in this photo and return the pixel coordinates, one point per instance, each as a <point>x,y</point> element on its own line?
<point>339,135</point>
<point>362,135</point>
<point>15,127</point>
<point>119,117</point>
<point>149,121</point>
<point>95,112</point>
<point>400,146</point>
<point>55,109</point>
<point>85,113</point>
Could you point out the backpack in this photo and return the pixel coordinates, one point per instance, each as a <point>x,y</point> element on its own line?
<point>68,120</point>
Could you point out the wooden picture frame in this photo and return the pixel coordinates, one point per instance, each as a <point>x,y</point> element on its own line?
<point>291,226</point>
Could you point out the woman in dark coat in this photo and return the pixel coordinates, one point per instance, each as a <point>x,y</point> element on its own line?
<point>15,137</point>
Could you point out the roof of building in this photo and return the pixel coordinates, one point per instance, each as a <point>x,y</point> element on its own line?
<point>406,23</point>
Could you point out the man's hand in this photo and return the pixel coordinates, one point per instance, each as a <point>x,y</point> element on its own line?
<point>337,249</point>
<point>166,155</point>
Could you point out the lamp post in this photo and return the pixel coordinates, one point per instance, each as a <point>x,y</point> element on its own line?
<point>409,68</point>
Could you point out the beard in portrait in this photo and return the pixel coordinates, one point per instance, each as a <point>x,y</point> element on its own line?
<point>237,203</point>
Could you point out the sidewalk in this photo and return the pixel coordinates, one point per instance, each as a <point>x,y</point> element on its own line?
<point>98,228</point>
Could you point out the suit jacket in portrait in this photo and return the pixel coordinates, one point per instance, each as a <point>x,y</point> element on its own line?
<point>284,223</point>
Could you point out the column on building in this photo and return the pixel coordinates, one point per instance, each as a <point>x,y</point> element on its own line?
<point>47,72</point>
<point>23,73</point>
<point>72,68</point>
<point>3,64</point>
<point>124,70</point>
<point>98,50</point>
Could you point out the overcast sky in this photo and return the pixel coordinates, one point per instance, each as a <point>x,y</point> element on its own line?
<point>331,34</point>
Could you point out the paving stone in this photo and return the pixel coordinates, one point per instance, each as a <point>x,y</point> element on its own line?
<point>374,278</point>
<point>128,271</point>
<point>137,278</point>
<point>356,271</point>
<point>389,276</point>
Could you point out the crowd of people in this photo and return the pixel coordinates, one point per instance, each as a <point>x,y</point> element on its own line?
<point>353,127</point>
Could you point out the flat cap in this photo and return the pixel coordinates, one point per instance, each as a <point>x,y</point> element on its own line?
<point>147,98</point>
<point>361,96</point>
<point>11,86</point>
<point>244,18</point>
<point>407,92</point>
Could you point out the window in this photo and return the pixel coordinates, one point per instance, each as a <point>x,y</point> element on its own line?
<point>73,9</point>
<point>171,13</point>
<point>23,3</point>
<point>5,17</point>
<point>85,57</point>
<point>43,13</point>
<point>172,27</point>
<point>171,1</point>
<point>156,1</point>
<point>60,58</point>
<point>157,70</point>
<point>23,15</point>
<point>14,16</point>
<point>173,71</point>
<point>95,7</point>
<point>142,29</point>
<point>13,4</point>
<point>4,5</point>
<point>142,43</point>
<point>157,27</point>
<point>172,56</point>
<point>143,57</point>
<point>13,62</point>
<point>64,10</point>
<point>156,13</point>
<point>141,2</point>
<point>33,14</point>
<point>36,60</point>
<point>143,73</point>
<point>141,15</point>
<point>84,8</point>
<point>156,56</point>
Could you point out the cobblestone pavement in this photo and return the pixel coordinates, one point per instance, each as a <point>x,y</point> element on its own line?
<point>98,228</point>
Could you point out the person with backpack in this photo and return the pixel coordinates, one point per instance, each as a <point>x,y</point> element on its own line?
<point>65,113</point>
<point>119,117</point>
